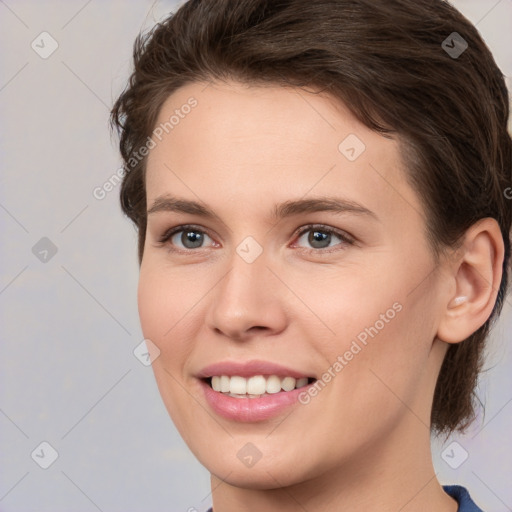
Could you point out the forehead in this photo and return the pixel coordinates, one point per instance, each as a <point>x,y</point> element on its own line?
<point>249,145</point>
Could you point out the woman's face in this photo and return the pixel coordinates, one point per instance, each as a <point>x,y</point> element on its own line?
<point>298,257</point>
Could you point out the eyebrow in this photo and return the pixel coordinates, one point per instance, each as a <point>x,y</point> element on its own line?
<point>168,203</point>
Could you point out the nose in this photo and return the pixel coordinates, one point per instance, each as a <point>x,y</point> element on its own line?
<point>247,302</point>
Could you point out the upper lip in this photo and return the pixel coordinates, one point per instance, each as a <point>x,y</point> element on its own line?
<point>249,369</point>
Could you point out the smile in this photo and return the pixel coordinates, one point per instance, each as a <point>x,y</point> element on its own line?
<point>256,386</point>
<point>252,391</point>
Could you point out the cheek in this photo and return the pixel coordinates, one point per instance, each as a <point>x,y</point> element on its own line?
<point>348,303</point>
<point>153,303</point>
<point>164,307</point>
<point>374,328</point>
<point>164,320</point>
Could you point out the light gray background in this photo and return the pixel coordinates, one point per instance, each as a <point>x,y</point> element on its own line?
<point>69,325</point>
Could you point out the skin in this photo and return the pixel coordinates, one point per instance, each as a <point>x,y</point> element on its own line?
<point>363,443</point>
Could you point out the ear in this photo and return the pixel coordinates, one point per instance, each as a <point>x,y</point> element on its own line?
<point>476,270</point>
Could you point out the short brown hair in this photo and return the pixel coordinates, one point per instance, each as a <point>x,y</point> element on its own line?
<point>389,61</point>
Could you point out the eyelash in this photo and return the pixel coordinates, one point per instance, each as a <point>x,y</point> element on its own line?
<point>346,240</point>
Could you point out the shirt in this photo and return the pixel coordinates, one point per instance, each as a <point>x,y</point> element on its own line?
<point>462,497</point>
<point>458,493</point>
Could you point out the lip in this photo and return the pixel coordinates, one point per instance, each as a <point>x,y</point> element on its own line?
<point>250,409</point>
<point>248,369</point>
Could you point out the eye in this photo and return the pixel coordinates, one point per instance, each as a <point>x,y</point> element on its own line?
<point>322,237</point>
<point>186,238</point>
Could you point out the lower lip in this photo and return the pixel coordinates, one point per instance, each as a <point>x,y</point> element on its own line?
<point>250,409</point>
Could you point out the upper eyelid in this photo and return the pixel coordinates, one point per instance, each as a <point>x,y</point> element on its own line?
<point>345,238</point>
<point>169,233</point>
<point>302,229</point>
<point>343,235</point>
<point>322,227</point>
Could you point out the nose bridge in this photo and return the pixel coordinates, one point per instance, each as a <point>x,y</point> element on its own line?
<point>245,297</point>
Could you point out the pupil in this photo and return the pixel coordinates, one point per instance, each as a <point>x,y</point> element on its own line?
<point>319,240</point>
<point>192,239</point>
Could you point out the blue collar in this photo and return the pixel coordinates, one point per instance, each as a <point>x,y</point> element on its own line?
<point>461,495</point>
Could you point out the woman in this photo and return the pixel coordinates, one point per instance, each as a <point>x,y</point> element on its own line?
<point>319,191</point>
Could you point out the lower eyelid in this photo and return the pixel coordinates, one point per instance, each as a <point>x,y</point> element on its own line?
<point>166,238</point>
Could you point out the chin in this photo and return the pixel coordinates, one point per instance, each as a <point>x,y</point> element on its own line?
<point>264,477</point>
<point>271,471</point>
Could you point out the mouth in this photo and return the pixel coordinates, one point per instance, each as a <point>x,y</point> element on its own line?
<point>256,386</point>
<point>252,391</point>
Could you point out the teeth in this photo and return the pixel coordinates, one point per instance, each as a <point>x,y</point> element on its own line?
<point>288,383</point>
<point>238,385</point>
<point>224,384</point>
<point>301,382</point>
<point>273,384</point>
<point>255,386</point>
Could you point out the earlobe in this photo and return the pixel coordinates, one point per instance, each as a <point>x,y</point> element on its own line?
<point>477,273</point>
